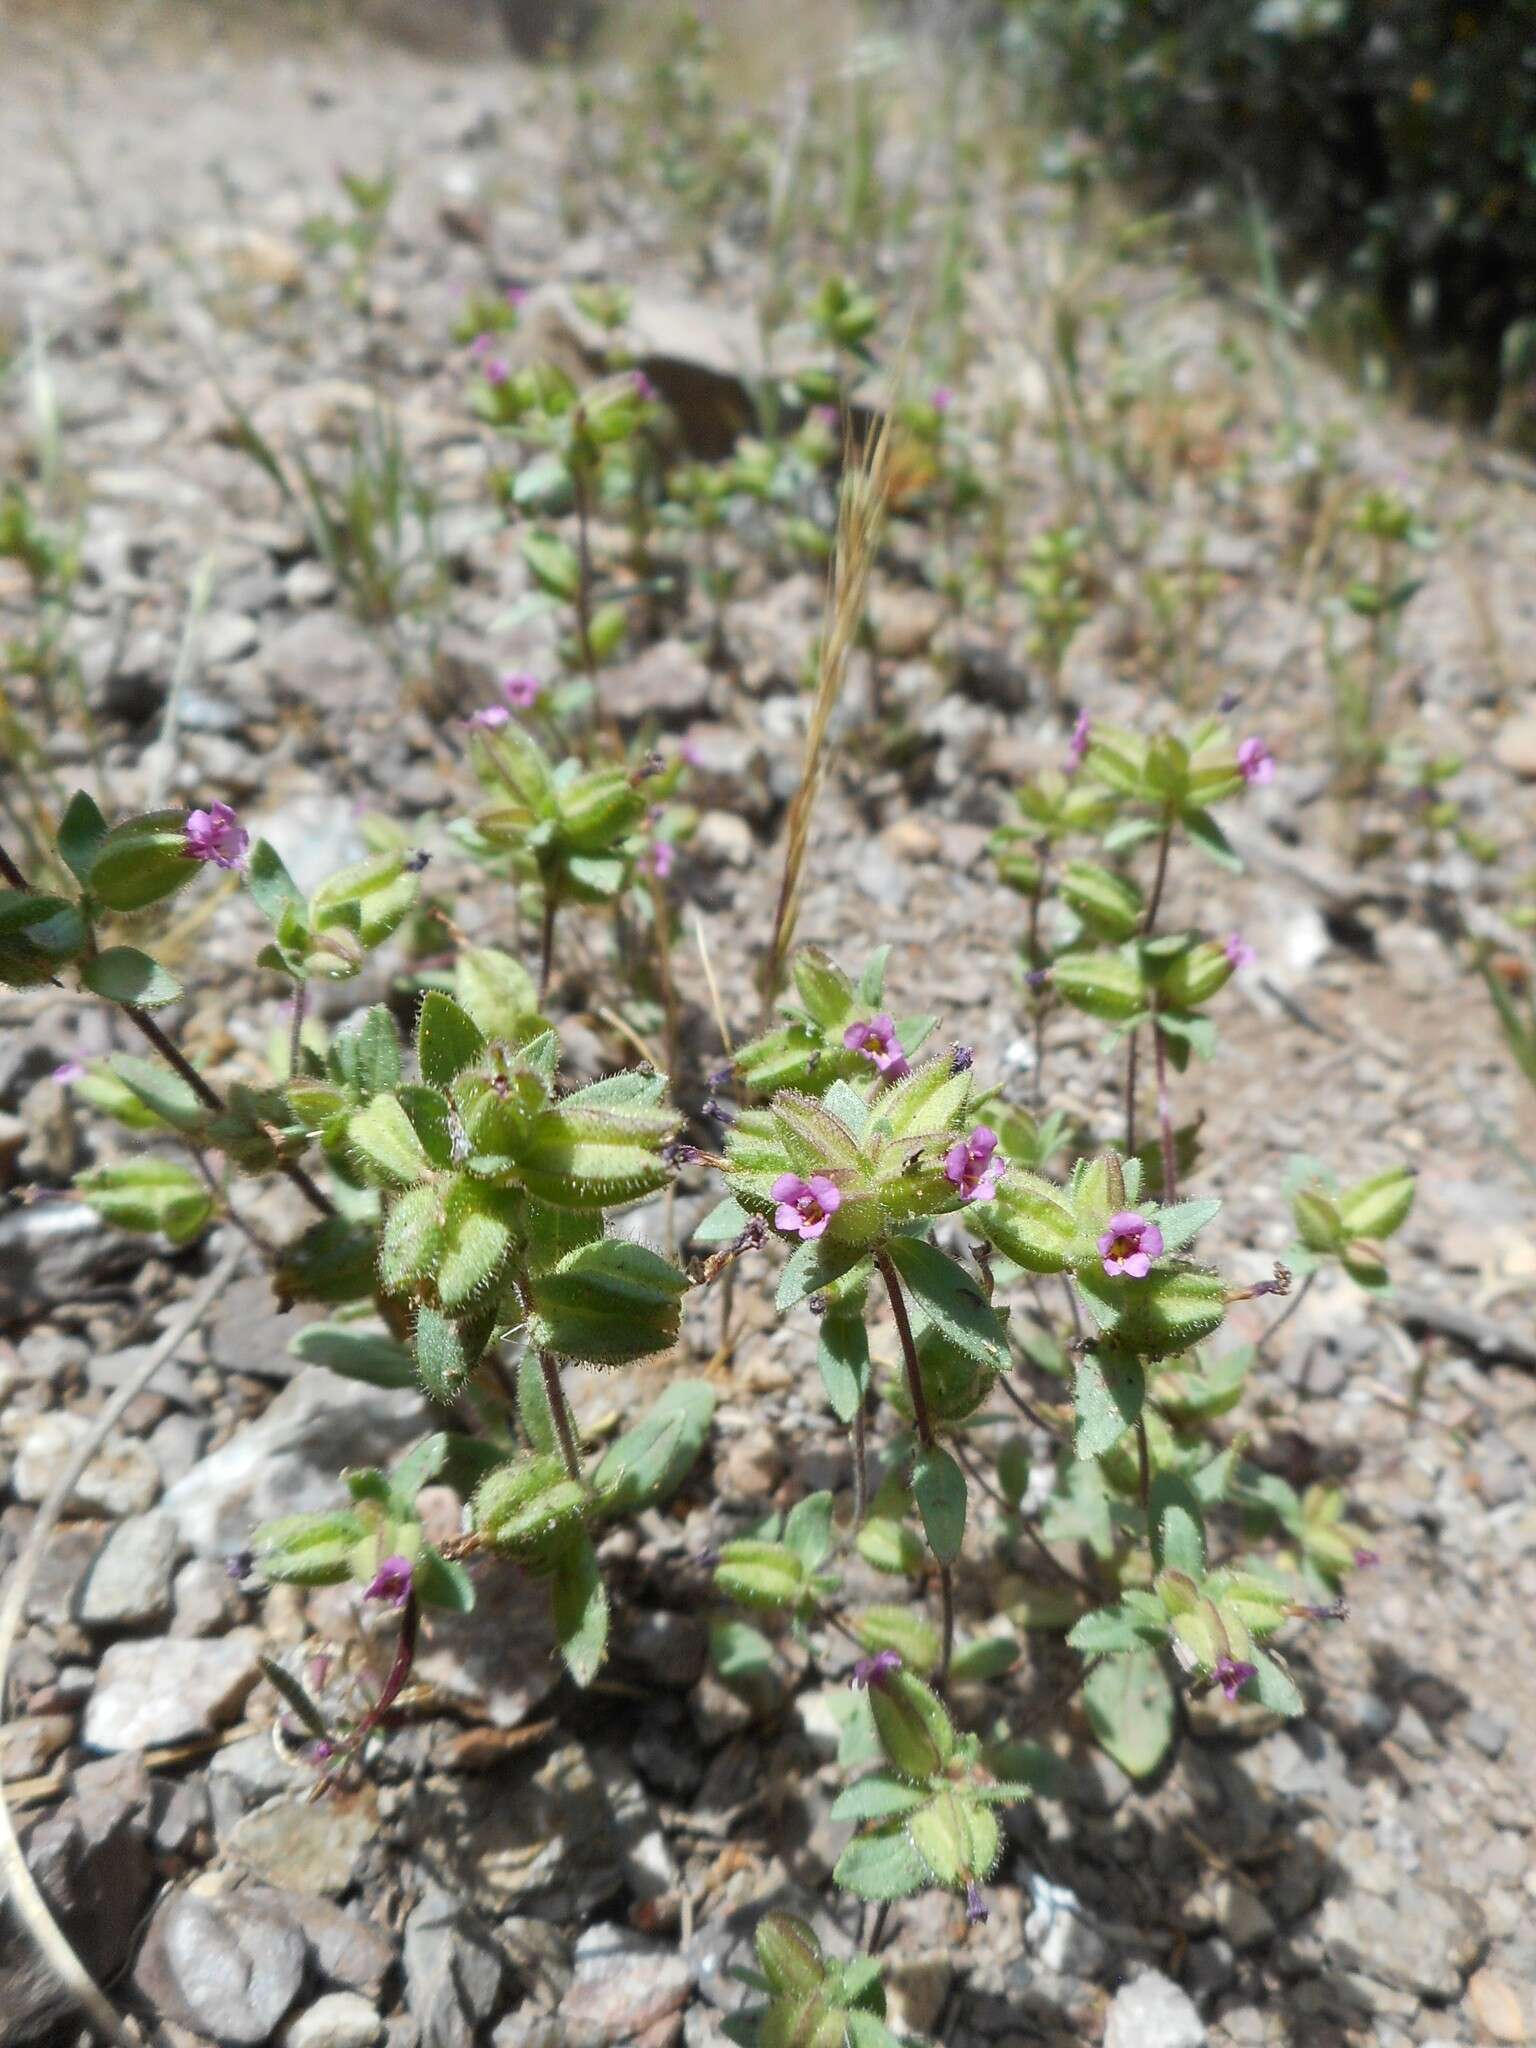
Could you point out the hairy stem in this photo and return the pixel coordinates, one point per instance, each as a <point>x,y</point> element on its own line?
<point>1165,1118</point>
<point>915,1388</point>
<point>1130,1093</point>
<point>947,1601</point>
<point>1144,1470</point>
<point>1287,1312</point>
<point>559,1408</point>
<point>296,1029</point>
<point>583,571</point>
<point>1155,902</point>
<point>547,942</point>
<point>860,1467</point>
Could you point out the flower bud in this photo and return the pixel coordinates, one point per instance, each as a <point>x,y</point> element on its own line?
<point>1194,977</point>
<point>141,861</point>
<point>916,1734</point>
<point>788,1954</point>
<point>525,1508</point>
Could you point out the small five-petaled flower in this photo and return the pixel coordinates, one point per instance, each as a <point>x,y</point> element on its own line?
<point>1232,1674</point>
<point>217,835</point>
<point>1255,761</point>
<point>1130,1245</point>
<point>805,1207</point>
<point>972,1166</point>
<point>876,1038</point>
<point>391,1582</point>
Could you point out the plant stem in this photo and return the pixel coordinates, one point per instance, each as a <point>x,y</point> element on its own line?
<point>1287,1312</point>
<point>211,1099</point>
<point>877,1932</point>
<point>1130,1094</point>
<point>11,872</point>
<point>547,942</point>
<point>560,1410</point>
<point>915,1389</point>
<point>1170,1190</point>
<point>1154,903</point>
<point>583,572</point>
<point>296,1029</point>
<point>947,1600</point>
<point>860,1467</point>
<point>1144,1470</point>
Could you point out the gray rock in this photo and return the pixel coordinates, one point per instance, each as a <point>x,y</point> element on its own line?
<point>668,684</point>
<point>1152,2012</point>
<point>498,1663</point>
<point>453,1972</point>
<point>122,1478</point>
<point>205,1599</point>
<point>1425,1939</point>
<point>540,1954</point>
<point>166,1689</point>
<point>287,1462</point>
<point>339,2020</point>
<point>301,1847</point>
<point>624,1985</point>
<point>228,1968</point>
<point>1487,1733</point>
<point>1060,1933</point>
<point>645,1856</point>
<point>130,1582</point>
<point>91,1864</point>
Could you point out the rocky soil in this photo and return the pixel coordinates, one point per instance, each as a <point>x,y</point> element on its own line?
<point>532,1867</point>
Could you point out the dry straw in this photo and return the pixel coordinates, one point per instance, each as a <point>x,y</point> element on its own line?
<point>860,522</point>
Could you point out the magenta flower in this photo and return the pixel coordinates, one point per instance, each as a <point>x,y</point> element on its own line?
<point>495,370</point>
<point>943,398</point>
<point>976,1909</point>
<point>877,1669</point>
<point>876,1038</point>
<point>805,1206</point>
<point>1077,746</point>
<point>521,690</point>
<point>690,753</point>
<point>1130,1245</point>
<point>972,1165</point>
<point>490,718</point>
<point>644,389</point>
<point>516,294</point>
<point>68,1071</point>
<point>1232,1674</point>
<point>217,835</point>
<point>1255,761</point>
<point>391,1582</point>
<point>827,416</point>
<point>1365,1560</point>
<point>482,346</point>
<point>660,858</point>
<point>1238,950</point>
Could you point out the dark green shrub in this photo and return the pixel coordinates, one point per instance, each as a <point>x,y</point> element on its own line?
<point>1393,140</point>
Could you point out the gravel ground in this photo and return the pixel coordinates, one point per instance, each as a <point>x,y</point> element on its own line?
<point>536,1867</point>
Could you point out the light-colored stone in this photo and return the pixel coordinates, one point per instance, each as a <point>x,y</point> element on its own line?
<point>301,1847</point>
<point>339,2020</point>
<point>1515,747</point>
<point>287,1462</point>
<point>229,1969</point>
<point>122,1479</point>
<point>1424,1939</point>
<point>167,1689</point>
<point>624,1985</point>
<point>130,1582</point>
<point>1499,2008</point>
<point>1152,2012</point>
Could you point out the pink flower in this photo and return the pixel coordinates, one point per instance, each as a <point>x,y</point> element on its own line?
<point>490,718</point>
<point>516,294</point>
<point>1255,761</point>
<point>827,416</point>
<point>644,389</point>
<point>1077,746</point>
<point>875,1670</point>
<point>521,689</point>
<point>972,1166</point>
<point>482,345</point>
<point>690,753</point>
<point>1130,1245</point>
<point>1232,1674</point>
<point>391,1582</point>
<point>217,835</point>
<point>1366,1559</point>
<point>976,1908</point>
<point>943,398</point>
<point>68,1071</point>
<point>659,858</point>
<point>805,1206</point>
<point>876,1039</point>
<point>1238,950</point>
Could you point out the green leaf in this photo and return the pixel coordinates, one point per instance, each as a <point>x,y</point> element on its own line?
<point>648,1463</point>
<point>984,1658</point>
<point>528,1508</point>
<point>825,990</point>
<point>150,1195</point>
<point>1030,1222</point>
<point>1171,1309</point>
<point>1110,1631</point>
<point>81,831</point>
<point>723,1225</point>
<point>284,1682</point>
<point>880,1796</point>
<point>307,1550</point>
<point>421,1464</point>
<point>533,1409</point>
<point>950,1299</point>
<point>122,974</point>
<point>760,1574</point>
<point>607,1303</point>
<point>444,1360</point>
<point>1211,840</point>
<point>553,565</point>
<point>356,1352</point>
<point>412,1241</point>
<point>938,1486</point>
<point>497,992</point>
<point>1273,1686</point>
<point>586,1158</point>
<point>477,1236</point>
<point>1130,1706</point>
<point>1378,1207</point>
<point>1181,1223</point>
<point>365,1054</point>
<point>842,1354</point>
<point>386,1143</point>
<point>441,1583</point>
<point>1175,1516</point>
<point>882,1865</point>
<point>812,1266</point>
<point>743,1657</point>
<point>270,883</point>
<point>173,1100</point>
<point>902,1629</point>
<point>808,1530</point>
<point>1110,1389</point>
<point>447,1039</point>
<point>1104,985</point>
<point>333,1261</point>
<point>141,861</point>
<point>580,1608</point>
